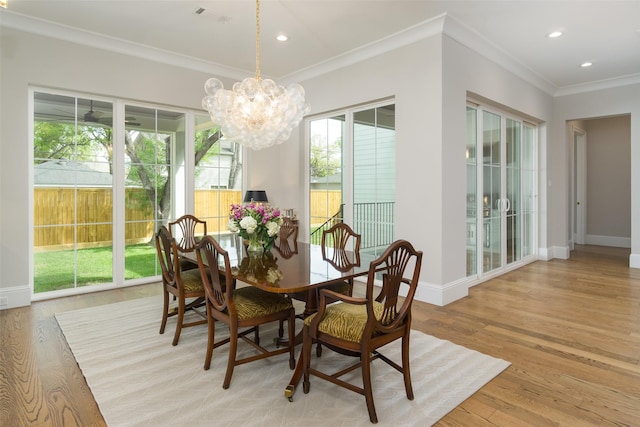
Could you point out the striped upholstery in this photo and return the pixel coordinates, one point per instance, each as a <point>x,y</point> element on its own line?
<point>191,281</point>
<point>346,321</point>
<point>252,302</point>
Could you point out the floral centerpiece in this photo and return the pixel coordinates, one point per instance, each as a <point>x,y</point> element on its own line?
<point>257,223</point>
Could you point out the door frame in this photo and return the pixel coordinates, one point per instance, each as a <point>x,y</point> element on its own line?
<point>579,202</point>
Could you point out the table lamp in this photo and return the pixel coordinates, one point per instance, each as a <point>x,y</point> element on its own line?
<point>259,196</point>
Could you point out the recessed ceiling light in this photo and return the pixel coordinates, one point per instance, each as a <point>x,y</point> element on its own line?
<point>282,37</point>
<point>586,64</point>
<point>554,34</point>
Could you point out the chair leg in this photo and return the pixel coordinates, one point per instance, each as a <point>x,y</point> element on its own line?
<point>211,328</point>
<point>233,349</point>
<point>179,322</point>
<point>165,312</point>
<point>281,329</point>
<point>292,340</point>
<point>406,371</point>
<point>365,357</point>
<point>306,358</point>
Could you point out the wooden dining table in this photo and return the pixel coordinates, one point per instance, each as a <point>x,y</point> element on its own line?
<point>302,272</point>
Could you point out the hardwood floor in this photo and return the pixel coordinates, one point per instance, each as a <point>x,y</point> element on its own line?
<point>570,328</point>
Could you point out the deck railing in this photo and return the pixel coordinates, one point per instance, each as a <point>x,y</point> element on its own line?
<point>374,221</point>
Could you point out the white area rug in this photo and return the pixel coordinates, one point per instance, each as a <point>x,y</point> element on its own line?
<point>139,379</point>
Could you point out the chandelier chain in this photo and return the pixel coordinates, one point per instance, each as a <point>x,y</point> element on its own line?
<point>256,113</point>
<point>258,40</point>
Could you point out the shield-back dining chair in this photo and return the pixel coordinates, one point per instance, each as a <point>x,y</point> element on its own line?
<point>243,309</point>
<point>183,285</point>
<point>287,241</point>
<point>360,326</point>
<point>186,230</point>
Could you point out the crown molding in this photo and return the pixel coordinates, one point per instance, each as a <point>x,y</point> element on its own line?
<point>45,28</point>
<point>442,24</point>
<point>397,40</point>
<point>475,41</point>
<point>599,85</point>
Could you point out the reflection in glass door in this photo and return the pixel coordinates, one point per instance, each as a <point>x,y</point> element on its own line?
<point>504,196</point>
<point>492,201</point>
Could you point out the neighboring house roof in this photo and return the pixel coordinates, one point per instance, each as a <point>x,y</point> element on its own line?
<point>61,172</point>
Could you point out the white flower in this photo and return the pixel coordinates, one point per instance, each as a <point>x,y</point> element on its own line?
<point>249,224</point>
<point>272,228</point>
<point>232,226</point>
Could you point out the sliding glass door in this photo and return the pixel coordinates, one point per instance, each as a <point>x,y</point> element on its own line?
<point>108,174</point>
<point>501,190</point>
<point>352,174</point>
<point>72,192</point>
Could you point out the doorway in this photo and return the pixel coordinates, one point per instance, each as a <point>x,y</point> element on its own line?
<point>601,187</point>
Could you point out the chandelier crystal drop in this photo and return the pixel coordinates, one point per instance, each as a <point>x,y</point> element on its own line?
<point>256,113</point>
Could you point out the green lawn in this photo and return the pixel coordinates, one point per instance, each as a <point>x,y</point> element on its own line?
<point>53,270</point>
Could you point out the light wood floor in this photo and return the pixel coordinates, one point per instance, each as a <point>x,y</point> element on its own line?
<point>571,330</point>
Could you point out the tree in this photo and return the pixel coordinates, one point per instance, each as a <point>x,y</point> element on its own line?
<point>147,152</point>
<point>53,140</point>
<point>325,159</point>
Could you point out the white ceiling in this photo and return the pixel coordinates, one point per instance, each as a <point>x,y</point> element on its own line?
<point>606,33</point>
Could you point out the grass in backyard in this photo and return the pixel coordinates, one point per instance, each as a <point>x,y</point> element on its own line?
<point>54,270</point>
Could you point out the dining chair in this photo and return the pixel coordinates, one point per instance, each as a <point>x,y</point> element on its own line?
<point>242,309</point>
<point>336,243</point>
<point>185,231</point>
<point>182,284</point>
<point>287,241</point>
<point>360,326</point>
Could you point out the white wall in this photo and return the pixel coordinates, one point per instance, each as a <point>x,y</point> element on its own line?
<point>609,181</point>
<point>28,60</point>
<point>430,80</point>
<point>601,103</point>
<point>467,73</point>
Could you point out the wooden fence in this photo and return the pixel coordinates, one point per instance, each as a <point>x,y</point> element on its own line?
<point>57,209</point>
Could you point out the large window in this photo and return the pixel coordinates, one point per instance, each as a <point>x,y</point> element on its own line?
<point>103,186</point>
<point>352,174</point>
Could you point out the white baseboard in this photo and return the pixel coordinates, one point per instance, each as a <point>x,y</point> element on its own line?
<point>634,261</point>
<point>15,296</point>
<point>547,254</point>
<point>442,294</point>
<point>618,242</point>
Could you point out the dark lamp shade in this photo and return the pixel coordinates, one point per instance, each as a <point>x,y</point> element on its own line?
<point>255,196</point>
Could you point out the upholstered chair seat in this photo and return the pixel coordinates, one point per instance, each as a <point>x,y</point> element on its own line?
<point>346,321</point>
<point>252,302</point>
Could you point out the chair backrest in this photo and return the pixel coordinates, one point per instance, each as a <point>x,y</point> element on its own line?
<point>183,230</point>
<point>287,241</point>
<point>392,266</point>
<point>217,286</point>
<point>339,238</point>
<point>166,248</point>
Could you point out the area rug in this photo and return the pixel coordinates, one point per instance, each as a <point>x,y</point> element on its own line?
<point>139,379</point>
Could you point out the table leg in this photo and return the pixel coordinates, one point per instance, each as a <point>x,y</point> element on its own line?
<point>295,379</point>
<point>310,307</point>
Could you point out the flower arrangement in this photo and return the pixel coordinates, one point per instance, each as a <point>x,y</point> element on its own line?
<point>260,224</point>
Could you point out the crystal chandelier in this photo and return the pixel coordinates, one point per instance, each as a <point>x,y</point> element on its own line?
<point>256,113</point>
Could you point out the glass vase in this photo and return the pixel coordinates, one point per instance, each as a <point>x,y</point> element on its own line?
<point>255,247</point>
